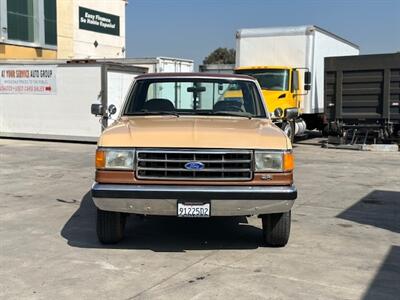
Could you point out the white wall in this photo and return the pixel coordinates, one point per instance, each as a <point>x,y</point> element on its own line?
<point>289,50</point>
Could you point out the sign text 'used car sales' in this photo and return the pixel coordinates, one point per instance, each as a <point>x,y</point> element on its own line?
<point>23,79</point>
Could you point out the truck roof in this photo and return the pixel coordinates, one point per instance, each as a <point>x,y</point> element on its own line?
<point>288,30</point>
<point>194,74</point>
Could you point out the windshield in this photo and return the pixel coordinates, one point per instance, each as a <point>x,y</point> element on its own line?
<point>270,79</point>
<point>195,97</point>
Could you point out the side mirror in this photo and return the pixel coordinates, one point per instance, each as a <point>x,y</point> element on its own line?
<point>96,109</point>
<point>295,80</point>
<point>112,109</point>
<point>307,80</point>
<point>307,77</point>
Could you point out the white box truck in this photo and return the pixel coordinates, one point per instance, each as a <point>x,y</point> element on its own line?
<point>217,68</point>
<point>283,59</point>
<point>159,64</point>
<point>52,99</point>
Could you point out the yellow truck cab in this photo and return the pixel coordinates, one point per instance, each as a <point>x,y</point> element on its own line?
<point>280,89</point>
<point>193,145</point>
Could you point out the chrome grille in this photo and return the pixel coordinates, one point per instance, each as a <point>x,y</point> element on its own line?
<point>170,164</point>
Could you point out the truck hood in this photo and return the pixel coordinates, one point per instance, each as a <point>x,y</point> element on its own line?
<point>194,132</point>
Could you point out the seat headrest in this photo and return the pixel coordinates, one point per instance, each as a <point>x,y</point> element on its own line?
<point>226,105</point>
<point>158,104</point>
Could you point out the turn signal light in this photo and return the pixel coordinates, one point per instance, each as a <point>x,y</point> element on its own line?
<point>100,159</point>
<point>288,161</point>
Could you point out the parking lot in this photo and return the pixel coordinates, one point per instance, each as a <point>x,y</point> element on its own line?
<point>345,238</point>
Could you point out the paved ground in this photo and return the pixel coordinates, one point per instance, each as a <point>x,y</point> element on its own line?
<point>345,241</point>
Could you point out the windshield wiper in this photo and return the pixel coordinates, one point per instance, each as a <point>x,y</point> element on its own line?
<point>227,113</point>
<point>152,113</point>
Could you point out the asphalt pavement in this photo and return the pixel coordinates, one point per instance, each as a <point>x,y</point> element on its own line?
<point>344,244</point>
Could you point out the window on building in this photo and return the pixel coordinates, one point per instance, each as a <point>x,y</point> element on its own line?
<point>29,22</point>
<point>50,22</point>
<point>21,20</point>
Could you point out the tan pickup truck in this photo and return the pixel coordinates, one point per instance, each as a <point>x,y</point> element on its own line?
<point>194,145</point>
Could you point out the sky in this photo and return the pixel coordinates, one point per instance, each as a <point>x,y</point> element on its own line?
<point>194,28</point>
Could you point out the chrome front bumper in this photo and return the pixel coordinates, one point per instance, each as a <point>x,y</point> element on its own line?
<point>163,199</point>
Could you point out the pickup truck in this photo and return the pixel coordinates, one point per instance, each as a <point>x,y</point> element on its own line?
<point>185,145</point>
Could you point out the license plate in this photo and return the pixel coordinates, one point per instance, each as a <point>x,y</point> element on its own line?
<point>194,210</point>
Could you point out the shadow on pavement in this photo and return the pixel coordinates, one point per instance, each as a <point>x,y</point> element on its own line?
<point>378,208</point>
<point>310,138</point>
<point>164,234</point>
<point>386,284</point>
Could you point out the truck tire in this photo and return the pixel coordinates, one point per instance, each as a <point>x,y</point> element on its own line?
<point>276,229</point>
<point>289,128</point>
<point>110,226</point>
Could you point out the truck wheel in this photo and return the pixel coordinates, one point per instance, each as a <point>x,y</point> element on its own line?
<point>110,226</point>
<point>276,228</point>
<point>289,129</point>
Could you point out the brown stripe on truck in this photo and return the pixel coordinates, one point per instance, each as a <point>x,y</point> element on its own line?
<point>128,177</point>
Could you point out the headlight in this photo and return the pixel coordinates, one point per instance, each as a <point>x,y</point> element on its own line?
<point>278,112</point>
<point>119,159</point>
<point>269,161</point>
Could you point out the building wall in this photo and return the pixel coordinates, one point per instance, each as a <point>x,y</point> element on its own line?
<point>21,52</point>
<point>109,46</point>
<point>73,42</point>
<point>65,29</point>
<point>24,33</point>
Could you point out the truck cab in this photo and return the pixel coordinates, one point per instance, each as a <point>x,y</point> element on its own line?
<point>279,85</point>
<point>280,89</point>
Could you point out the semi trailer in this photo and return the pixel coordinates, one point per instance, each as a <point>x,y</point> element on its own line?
<point>288,62</point>
<point>362,98</point>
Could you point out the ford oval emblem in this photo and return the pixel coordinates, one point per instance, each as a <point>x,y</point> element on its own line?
<point>194,165</point>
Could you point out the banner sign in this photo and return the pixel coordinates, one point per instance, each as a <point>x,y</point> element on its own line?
<point>26,79</point>
<point>98,21</point>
